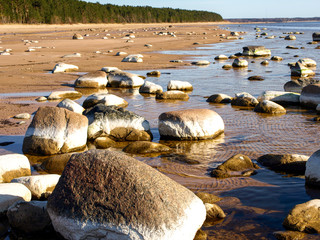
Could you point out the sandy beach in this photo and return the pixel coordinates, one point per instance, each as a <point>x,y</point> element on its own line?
<point>30,71</point>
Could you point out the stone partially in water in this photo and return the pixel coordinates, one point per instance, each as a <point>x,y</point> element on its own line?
<point>256,78</point>
<point>276,58</point>
<point>219,98</point>
<point>239,63</point>
<point>143,147</point>
<point>256,51</point>
<point>172,95</point>
<point>237,166</point>
<point>201,63</point>
<point>77,36</point>
<point>208,198</point>
<point>70,105</point>
<point>283,98</point>
<point>312,170</point>
<point>13,166</point>
<point>269,107</point>
<point>214,212</point>
<point>244,100</point>
<point>288,163</point>
<point>124,79</point>
<point>41,186</point>
<point>29,217</point>
<point>150,87</point>
<point>304,217</point>
<point>191,124</point>
<point>105,99</point>
<point>104,119</point>
<point>55,164</point>
<point>63,67</point>
<point>179,85</point>
<point>296,85</point>
<point>290,37</point>
<point>55,130</point>
<point>108,195</point>
<point>96,79</point>
<point>138,58</point>
<point>308,62</point>
<point>289,235</point>
<point>316,36</point>
<point>57,95</point>
<point>300,70</point>
<point>310,96</point>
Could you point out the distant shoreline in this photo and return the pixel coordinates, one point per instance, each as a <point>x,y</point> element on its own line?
<point>272,20</point>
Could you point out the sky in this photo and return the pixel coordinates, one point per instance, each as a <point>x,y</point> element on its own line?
<point>235,8</point>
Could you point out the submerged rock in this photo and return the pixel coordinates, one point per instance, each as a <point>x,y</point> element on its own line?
<point>219,98</point>
<point>191,124</point>
<point>55,164</point>
<point>123,199</point>
<point>237,166</point>
<point>304,217</point>
<point>143,147</point>
<point>288,163</point>
<point>267,106</point>
<point>55,130</point>
<point>289,235</point>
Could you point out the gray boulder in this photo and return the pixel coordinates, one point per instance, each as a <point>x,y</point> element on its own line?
<point>55,130</point>
<point>296,85</point>
<point>29,217</point>
<point>120,197</point>
<point>117,123</point>
<point>310,96</point>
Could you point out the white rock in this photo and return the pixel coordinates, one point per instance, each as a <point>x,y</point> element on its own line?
<point>22,116</point>
<point>221,57</point>
<point>39,185</point>
<point>12,166</point>
<point>179,85</point>
<point>71,105</point>
<point>64,94</point>
<point>201,63</point>
<point>133,58</point>
<point>63,67</point>
<point>280,97</point>
<point>96,79</point>
<point>104,98</point>
<point>11,193</point>
<point>150,87</point>
<point>110,69</point>
<point>125,79</point>
<point>240,63</point>
<point>308,62</point>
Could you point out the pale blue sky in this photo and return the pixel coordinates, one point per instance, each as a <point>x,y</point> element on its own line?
<point>235,8</point>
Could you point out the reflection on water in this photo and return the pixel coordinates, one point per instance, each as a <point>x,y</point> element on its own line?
<point>255,206</point>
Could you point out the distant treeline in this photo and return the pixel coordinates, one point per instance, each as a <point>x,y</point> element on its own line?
<point>75,11</point>
<point>313,19</point>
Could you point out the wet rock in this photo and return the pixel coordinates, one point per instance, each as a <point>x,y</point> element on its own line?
<point>138,58</point>
<point>150,87</point>
<point>256,78</point>
<point>96,79</point>
<point>316,36</point>
<point>227,66</point>
<point>237,166</point>
<point>238,63</point>
<point>71,106</point>
<point>118,122</point>
<point>307,62</point>
<point>244,100</point>
<point>57,95</point>
<point>55,164</point>
<point>304,217</point>
<point>63,67</point>
<point>208,198</point>
<point>123,199</point>
<point>105,99</point>
<point>13,166</point>
<point>310,96</point>
<point>104,142</point>
<point>296,85</point>
<point>41,186</point>
<point>288,163</point>
<point>124,79</point>
<point>265,62</point>
<point>219,98</point>
<point>283,98</point>
<point>289,235</point>
<point>11,193</point>
<point>179,85</point>
<point>312,170</point>
<point>221,57</point>
<point>143,147</point>
<point>77,36</point>
<point>214,212</point>
<point>172,95</point>
<point>300,70</point>
<point>291,47</point>
<point>29,217</point>
<point>55,130</point>
<point>267,106</point>
<point>256,51</point>
<point>110,69</point>
<point>201,63</point>
<point>201,235</point>
<point>22,116</point>
<point>154,74</point>
<point>191,124</point>
<point>290,37</point>
<point>276,58</point>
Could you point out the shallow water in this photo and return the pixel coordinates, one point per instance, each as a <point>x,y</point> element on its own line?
<point>255,206</point>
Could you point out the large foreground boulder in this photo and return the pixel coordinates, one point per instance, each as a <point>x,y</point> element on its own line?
<point>13,166</point>
<point>313,170</point>
<point>124,79</point>
<point>310,96</point>
<point>108,195</point>
<point>190,124</point>
<point>55,130</point>
<point>256,51</point>
<point>118,123</point>
<point>304,217</point>
<point>96,79</point>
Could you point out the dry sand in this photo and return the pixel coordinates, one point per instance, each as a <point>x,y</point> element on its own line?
<point>28,71</point>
